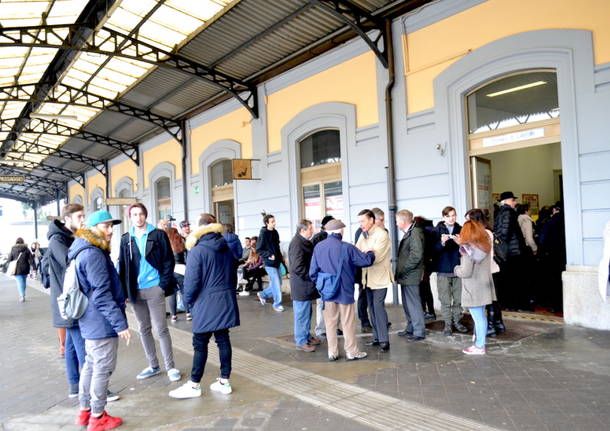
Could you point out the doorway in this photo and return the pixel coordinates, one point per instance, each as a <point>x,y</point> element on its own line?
<point>223,197</point>
<point>514,145</point>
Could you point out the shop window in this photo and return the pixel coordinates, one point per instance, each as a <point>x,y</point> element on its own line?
<point>164,200</point>
<point>322,187</point>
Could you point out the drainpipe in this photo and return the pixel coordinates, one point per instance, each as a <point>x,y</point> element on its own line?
<point>185,144</point>
<point>391,174</point>
<point>35,208</point>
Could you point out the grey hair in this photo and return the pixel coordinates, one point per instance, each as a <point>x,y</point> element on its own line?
<point>405,215</point>
<point>303,224</point>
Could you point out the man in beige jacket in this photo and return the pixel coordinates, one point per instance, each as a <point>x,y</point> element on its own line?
<point>376,278</point>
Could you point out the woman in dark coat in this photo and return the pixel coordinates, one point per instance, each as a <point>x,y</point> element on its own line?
<point>209,289</point>
<point>22,254</point>
<point>179,250</point>
<point>269,248</point>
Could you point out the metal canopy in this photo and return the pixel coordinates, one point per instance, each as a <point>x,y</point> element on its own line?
<point>82,81</point>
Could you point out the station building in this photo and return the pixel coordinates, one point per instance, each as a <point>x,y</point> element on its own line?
<point>487,96</point>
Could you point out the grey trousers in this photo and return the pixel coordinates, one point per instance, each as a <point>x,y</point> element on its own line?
<point>379,317</point>
<point>320,325</point>
<point>100,362</point>
<point>450,295</point>
<point>414,312</point>
<point>149,309</point>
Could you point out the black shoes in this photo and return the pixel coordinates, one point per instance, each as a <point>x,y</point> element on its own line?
<point>460,328</point>
<point>384,347</point>
<point>430,316</point>
<point>499,326</point>
<point>372,343</point>
<point>404,333</point>
<point>415,338</point>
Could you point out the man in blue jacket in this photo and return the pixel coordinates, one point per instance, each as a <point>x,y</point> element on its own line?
<point>103,321</point>
<point>327,258</point>
<point>209,289</point>
<point>146,268</point>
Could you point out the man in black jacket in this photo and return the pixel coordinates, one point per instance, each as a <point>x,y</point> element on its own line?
<point>506,228</point>
<point>448,284</point>
<point>61,237</point>
<point>302,289</point>
<point>146,271</point>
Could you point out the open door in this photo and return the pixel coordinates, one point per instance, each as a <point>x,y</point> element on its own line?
<point>481,185</point>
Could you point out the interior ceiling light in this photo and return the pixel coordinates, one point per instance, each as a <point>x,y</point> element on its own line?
<point>518,88</point>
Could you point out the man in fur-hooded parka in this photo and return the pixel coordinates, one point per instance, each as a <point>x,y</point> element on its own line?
<point>210,280</point>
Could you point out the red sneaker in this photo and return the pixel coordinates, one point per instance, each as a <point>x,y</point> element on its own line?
<point>104,422</point>
<point>83,417</point>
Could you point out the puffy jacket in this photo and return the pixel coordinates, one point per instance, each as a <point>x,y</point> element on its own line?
<point>26,260</point>
<point>158,254</point>
<point>300,251</point>
<point>507,229</point>
<point>268,245</point>
<point>448,255</point>
<point>105,314</point>
<point>210,280</point>
<point>60,239</point>
<point>477,281</point>
<point>326,257</point>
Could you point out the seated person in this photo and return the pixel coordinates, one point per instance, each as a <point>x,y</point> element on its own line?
<point>253,268</point>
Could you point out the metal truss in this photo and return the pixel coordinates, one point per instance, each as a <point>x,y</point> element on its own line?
<point>54,184</point>
<point>46,127</point>
<point>24,197</point>
<point>361,21</point>
<point>22,146</point>
<point>68,95</point>
<point>106,41</point>
<point>30,184</point>
<point>29,165</point>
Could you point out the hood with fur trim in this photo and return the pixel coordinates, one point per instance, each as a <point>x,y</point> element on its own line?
<point>93,237</point>
<point>195,236</point>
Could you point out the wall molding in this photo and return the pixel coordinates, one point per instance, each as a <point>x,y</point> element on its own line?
<point>434,12</point>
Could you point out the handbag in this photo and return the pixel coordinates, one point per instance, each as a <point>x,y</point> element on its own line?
<point>500,250</point>
<point>12,266</point>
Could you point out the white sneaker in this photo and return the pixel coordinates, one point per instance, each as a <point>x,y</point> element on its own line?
<point>223,388</point>
<point>174,375</point>
<point>187,390</point>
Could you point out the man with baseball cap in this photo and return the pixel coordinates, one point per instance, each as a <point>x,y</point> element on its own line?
<point>334,256</point>
<point>104,319</point>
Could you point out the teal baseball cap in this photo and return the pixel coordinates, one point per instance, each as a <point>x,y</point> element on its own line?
<point>101,217</point>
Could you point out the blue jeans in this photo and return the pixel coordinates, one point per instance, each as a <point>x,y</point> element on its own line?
<point>480,325</point>
<point>302,321</point>
<point>21,284</point>
<point>74,354</point>
<point>275,286</point>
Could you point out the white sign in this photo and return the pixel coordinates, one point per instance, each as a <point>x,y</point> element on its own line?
<point>514,137</point>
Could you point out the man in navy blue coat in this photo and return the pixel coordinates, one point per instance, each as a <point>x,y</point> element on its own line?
<point>104,319</point>
<point>326,258</point>
<point>209,290</point>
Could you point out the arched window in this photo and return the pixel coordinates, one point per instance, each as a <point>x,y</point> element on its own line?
<point>164,199</point>
<point>322,187</point>
<point>97,200</point>
<point>221,177</point>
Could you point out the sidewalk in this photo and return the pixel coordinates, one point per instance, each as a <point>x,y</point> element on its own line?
<point>541,376</point>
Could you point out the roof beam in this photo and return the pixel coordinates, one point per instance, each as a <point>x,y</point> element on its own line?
<point>25,147</point>
<point>91,17</point>
<point>68,95</point>
<point>29,165</point>
<point>8,193</point>
<point>46,127</point>
<point>360,21</point>
<point>112,43</point>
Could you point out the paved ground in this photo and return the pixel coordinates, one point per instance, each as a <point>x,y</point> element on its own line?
<point>539,376</point>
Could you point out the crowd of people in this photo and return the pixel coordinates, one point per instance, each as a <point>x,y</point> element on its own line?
<point>204,266</point>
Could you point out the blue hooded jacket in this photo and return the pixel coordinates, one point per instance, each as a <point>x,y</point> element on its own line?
<point>105,314</point>
<point>234,244</point>
<point>326,255</point>
<point>210,280</point>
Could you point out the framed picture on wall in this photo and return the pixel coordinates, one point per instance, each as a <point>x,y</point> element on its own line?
<point>532,200</point>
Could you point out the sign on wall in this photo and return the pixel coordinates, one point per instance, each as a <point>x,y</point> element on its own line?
<point>120,201</point>
<point>242,169</point>
<point>12,179</point>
